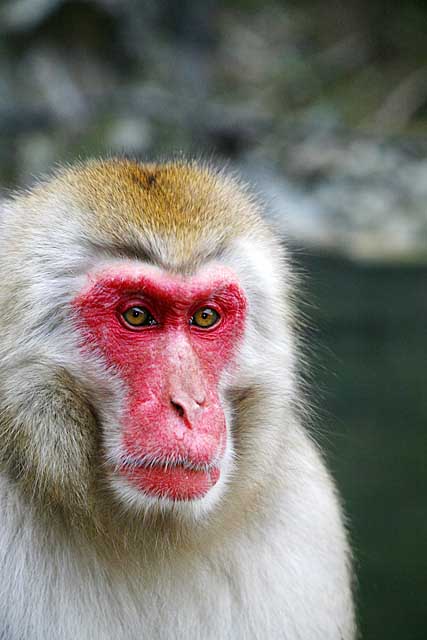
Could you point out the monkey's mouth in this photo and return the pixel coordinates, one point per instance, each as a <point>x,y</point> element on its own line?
<point>178,480</point>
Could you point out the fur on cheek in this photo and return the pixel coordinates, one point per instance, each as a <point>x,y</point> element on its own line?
<point>49,441</point>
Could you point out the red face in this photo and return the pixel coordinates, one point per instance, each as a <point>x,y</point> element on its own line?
<point>169,338</point>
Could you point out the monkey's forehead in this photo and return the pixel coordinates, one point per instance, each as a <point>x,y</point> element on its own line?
<point>212,276</point>
<point>117,275</point>
<point>186,200</point>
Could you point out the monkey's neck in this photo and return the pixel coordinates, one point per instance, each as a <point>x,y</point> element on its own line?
<point>118,539</point>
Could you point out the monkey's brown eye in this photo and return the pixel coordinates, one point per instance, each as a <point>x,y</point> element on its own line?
<point>138,317</point>
<point>205,318</point>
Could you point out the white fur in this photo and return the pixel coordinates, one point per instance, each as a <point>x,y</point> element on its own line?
<point>281,577</point>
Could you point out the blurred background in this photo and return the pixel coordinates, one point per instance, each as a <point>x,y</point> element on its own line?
<point>323,107</point>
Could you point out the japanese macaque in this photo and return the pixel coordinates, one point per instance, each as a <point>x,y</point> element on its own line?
<point>156,481</point>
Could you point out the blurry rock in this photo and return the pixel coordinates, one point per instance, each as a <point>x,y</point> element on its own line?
<point>25,14</point>
<point>129,134</point>
<point>36,154</point>
<point>346,193</point>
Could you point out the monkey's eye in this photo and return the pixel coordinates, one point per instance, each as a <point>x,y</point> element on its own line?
<point>205,318</point>
<point>138,317</point>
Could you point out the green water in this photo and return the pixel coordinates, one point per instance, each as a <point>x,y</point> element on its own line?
<point>369,372</point>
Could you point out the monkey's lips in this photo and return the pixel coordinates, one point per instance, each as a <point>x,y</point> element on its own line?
<point>176,482</point>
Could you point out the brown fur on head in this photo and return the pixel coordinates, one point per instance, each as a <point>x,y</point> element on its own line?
<point>178,214</point>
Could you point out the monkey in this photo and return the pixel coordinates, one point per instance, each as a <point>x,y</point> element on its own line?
<point>157,477</point>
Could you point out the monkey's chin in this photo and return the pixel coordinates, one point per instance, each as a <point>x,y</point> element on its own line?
<point>173,482</point>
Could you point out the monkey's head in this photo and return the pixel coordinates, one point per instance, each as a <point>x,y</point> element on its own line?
<point>144,339</point>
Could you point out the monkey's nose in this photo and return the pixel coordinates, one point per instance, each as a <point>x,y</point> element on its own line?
<point>187,408</point>
<point>178,408</point>
<point>181,411</point>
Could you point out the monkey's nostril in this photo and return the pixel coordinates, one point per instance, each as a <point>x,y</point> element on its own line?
<point>178,408</point>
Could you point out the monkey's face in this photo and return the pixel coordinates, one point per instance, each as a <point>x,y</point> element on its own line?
<point>171,341</point>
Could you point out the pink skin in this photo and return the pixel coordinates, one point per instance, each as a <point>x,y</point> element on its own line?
<point>171,370</point>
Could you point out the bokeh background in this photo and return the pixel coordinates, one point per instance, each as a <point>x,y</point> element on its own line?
<point>323,107</point>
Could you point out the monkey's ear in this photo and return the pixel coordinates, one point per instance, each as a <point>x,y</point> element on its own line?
<point>48,435</point>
